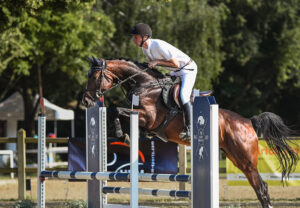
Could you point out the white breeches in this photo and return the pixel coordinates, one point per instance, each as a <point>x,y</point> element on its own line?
<point>188,79</point>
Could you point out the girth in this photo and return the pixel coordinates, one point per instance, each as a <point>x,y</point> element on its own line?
<point>159,131</point>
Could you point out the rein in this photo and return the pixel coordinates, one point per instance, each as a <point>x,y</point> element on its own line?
<point>159,83</point>
<point>103,67</point>
<point>123,81</point>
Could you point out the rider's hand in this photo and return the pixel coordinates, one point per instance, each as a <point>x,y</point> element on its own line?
<point>152,64</point>
<point>172,73</point>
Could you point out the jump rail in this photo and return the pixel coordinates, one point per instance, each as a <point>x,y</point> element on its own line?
<point>113,176</point>
<point>205,170</point>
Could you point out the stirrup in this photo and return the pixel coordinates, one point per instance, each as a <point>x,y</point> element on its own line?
<point>185,135</point>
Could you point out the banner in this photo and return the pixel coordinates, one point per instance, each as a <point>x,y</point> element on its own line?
<point>155,156</point>
<point>268,167</point>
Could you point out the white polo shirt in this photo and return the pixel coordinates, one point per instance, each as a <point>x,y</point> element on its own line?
<point>161,50</point>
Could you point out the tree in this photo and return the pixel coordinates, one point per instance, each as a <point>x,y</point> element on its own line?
<point>261,43</point>
<point>55,36</point>
<point>192,26</point>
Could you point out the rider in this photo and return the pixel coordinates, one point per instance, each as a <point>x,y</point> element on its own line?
<point>159,52</point>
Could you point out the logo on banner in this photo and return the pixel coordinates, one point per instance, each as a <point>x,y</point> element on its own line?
<point>155,156</point>
<point>117,160</point>
<point>124,167</point>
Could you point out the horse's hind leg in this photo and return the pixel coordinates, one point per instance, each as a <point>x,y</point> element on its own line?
<point>260,187</point>
<point>245,158</point>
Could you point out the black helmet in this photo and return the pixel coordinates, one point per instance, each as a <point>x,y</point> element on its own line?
<point>141,29</point>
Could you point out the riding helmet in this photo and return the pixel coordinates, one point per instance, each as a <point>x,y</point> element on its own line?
<point>141,29</point>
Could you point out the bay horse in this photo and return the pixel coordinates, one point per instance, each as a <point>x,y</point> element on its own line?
<point>237,135</point>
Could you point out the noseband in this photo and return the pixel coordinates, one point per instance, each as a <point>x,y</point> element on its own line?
<point>97,65</point>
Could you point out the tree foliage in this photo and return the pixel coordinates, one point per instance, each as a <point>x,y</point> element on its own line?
<point>192,26</point>
<point>261,42</point>
<point>55,36</point>
<point>247,51</point>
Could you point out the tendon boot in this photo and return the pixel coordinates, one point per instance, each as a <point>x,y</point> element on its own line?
<point>187,110</point>
<point>118,132</point>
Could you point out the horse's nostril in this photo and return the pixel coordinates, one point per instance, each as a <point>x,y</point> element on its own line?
<point>84,101</point>
<point>98,94</point>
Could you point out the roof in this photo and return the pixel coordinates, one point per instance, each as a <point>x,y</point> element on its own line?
<point>13,108</point>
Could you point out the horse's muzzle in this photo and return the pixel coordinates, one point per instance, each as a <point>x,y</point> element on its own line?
<point>99,94</point>
<point>87,100</point>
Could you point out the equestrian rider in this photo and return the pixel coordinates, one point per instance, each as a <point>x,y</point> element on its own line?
<point>159,52</point>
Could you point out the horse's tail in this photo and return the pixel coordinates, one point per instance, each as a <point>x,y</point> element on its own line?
<point>271,127</point>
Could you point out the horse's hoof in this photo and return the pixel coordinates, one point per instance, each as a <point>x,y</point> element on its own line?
<point>127,139</point>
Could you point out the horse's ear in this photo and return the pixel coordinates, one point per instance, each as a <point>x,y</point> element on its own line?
<point>95,60</point>
<point>91,60</point>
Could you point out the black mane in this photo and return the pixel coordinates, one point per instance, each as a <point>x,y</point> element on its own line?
<point>153,72</point>
<point>100,64</point>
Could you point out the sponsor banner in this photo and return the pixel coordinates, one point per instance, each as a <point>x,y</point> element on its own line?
<point>268,167</point>
<point>155,156</point>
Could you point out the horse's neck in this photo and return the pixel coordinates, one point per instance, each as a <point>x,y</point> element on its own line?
<point>125,70</point>
<point>141,81</point>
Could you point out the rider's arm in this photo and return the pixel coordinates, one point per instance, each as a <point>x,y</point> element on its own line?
<point>170,63</point>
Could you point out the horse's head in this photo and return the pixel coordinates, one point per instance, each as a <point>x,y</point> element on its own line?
<point>100,79</point>
<point>103,76</point>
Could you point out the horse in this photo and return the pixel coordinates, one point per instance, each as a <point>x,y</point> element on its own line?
<point>238,136</point>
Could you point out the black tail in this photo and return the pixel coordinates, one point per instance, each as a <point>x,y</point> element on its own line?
<point>275,132</point>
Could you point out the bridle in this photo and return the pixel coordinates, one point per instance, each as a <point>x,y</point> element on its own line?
<point>100,65</point>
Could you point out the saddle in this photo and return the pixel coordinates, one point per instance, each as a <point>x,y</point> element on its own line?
<point>171,95</point>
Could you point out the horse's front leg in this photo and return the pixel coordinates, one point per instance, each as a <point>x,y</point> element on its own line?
<point>145,122</point>
<point>125,113</point>
<point>119,122</point>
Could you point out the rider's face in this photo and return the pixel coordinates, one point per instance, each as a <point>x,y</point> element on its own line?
<point>137,39</point>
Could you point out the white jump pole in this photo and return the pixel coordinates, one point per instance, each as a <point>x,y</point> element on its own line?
<point>41,159</point>
<point>214,154</point>
<point>134,159</point>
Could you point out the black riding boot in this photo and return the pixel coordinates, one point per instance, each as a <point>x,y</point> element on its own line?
<point>187,108</point>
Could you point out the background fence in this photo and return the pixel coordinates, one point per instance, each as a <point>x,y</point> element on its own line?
<point>21,168</point>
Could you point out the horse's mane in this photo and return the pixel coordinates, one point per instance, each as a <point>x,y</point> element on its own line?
<point>153,72</point>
